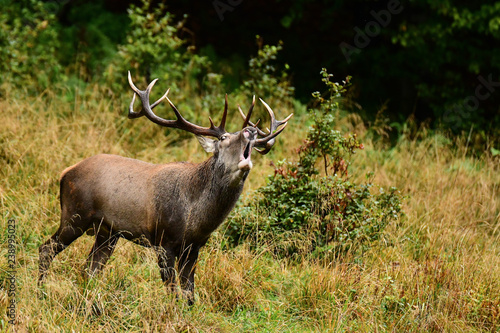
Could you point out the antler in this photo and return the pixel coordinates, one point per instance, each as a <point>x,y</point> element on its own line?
<point>180,122</point>
<point>268,139</point>
<point>247,121</point>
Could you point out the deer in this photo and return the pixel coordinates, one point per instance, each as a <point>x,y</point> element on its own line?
<point>172,208</point>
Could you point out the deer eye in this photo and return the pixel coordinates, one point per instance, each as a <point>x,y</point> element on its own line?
<point>224,137</point>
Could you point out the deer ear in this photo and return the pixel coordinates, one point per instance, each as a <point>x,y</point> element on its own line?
<point>207,144</point>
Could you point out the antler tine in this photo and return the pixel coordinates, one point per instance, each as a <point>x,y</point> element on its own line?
<point>180,122</point>
<point>247,121</point>
<point>261,132</point>
<point>247,118</point>
<point>132,85</point>
<point>174,108</point>
<point>131,113</point>
<point>275,123</point>
<point>267,141</point>
<point>222,125</point>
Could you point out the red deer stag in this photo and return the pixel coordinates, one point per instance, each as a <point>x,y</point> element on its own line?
<point>171,207</point>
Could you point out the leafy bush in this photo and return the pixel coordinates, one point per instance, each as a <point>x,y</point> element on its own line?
<point>320,208</point>
<point>28,44</point>
<point>89,33</point>
<point>154,50</point>
<point>265,79</point>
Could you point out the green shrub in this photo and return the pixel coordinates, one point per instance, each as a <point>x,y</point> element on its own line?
<point>321,208</point>
<point>90,42</point>
<point>265,79</point>
<point>28,45</point>
<point>152,50</point>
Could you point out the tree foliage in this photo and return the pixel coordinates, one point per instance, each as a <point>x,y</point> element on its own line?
<point>28,44</point>
<point>153,49</point>
<point>432,60</point>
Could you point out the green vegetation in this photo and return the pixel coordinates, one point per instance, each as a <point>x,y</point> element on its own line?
<point>322,244</point>
<point>28,41</point>
<point>264,78</point>
<point>317,213</point>
<point>425,59</point>
<point>153,49</point>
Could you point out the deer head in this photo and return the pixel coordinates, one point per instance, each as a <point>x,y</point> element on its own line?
<point>232,150</point>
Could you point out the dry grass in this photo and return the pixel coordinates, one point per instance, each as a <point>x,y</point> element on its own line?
<point>435,270</point>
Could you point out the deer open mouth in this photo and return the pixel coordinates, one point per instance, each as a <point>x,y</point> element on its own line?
<point>245,162</point>
<point>246,152</point>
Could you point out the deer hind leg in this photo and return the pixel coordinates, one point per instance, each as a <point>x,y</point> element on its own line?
<point>68,231</point>
<point>105,242</point>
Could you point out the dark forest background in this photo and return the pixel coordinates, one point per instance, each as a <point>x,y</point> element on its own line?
<point>434,61</point>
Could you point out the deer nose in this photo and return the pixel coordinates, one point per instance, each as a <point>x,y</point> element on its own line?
<point>250,133</point>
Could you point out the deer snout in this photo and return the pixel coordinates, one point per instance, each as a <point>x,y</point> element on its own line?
<point>250,133</point>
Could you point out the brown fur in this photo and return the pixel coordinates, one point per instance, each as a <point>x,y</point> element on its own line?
<point>171,207</point>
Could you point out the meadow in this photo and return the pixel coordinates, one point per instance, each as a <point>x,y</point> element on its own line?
<point>435,269</point>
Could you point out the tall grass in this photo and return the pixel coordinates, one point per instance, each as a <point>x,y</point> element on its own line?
<point>435,270</point>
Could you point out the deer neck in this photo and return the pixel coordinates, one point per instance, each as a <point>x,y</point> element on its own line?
<point>221,177</point>
<point>222,188</point>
